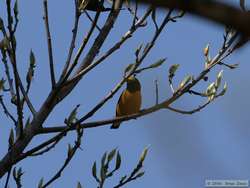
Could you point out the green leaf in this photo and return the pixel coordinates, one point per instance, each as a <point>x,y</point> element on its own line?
<point>158,63</point>
<point>2,81</point>
<point>211,89</point>
<point>16,8</point>
<point>224,89</point>
<point>206,50</point>
<point>4,44</point>
<point>94,170</point>
<point>72,116</point>
<point>19,173</point>
<point>1,24</point>
<point>111,155</point>
<point>218,79</point>
<point>182,13</point>
<point>172,70</point>
<point>11,138</point>
<point>185,81</point>
<point>32,59</point>
<point>40,184</point>
<point>79,185</point>
<point>139,174</point>
<point>143,155</point>
<point>118,161</point>
<point>138,50</point>
<point>104,159</point>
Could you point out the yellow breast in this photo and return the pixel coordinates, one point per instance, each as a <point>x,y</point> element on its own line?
<point>129,103</point>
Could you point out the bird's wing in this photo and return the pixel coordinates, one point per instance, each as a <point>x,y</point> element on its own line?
<point>118,112</point>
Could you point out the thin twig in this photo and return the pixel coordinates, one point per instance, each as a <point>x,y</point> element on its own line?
<point>15,70</point>
<point>50,51</point>
<point>163,105</point>
<point>114,48</point>
<point>84,43</point>
<point>46,149</point>
<point>156,92</point>
<point>68,159</point>
<point>6,111</point>
<point>92,20</point>
<point>7,72</point>
<point>7,179</point>
<point>72,44</point>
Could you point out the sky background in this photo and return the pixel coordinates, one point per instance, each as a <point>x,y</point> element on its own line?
<point>184,150</point>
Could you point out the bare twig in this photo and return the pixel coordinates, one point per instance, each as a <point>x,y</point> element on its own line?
<point>15,71</point>
<point>7,72</point>
<point>220,12</point>
<point>114,48</point>
<point>156,92</point>
<point>71,153</point>
<point>72,44</point>
<point>84,43</point>
<point>50,51</point>
<point>92,20</point>
<point>7,179</point>
<point>6,111</point>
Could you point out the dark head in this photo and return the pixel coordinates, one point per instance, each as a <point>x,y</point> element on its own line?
<point>133,84</point>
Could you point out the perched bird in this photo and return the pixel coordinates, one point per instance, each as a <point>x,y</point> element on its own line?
<point>93,5</point>
<point>129,101</point>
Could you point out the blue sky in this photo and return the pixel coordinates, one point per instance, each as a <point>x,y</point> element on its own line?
<point>184,150</point>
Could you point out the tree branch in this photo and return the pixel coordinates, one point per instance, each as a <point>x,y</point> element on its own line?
<point>51,61</point>
<point>219,12</point>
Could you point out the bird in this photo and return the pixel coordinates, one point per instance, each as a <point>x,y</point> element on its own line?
<point>93,5</point>
<point>129,101</point>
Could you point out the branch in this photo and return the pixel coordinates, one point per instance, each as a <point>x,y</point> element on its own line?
<point>15,71</point>
<point>72,44</point>
<point>114,48</point>
<point>71,153</point>
<point>165,104</point>
<point>7,72</point>
<point>51,63</point>
<point>219,12</point>
<point>6,111</point>
<point>83,45</point>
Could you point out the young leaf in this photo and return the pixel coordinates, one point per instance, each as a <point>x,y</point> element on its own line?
<point>218,79</point>
<point>111,155</point>
<point>158,63</point>
<point>94,170</point>
<point>139,174</point>
<point>32,59</point>
<point>118,161</point>
<point>2,81</point>
<point>1,24</point>
<point>79,185</point>
<point>11,138</point>
<point>143,155</point>
<point>16,8</point>
<point>224,89</point>
<point>172,70</point>
<point>206,50</point>
<point>185,81</point>
<point>40,184</point>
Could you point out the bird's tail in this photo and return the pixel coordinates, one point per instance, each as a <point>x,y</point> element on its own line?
<point>115,125</point>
